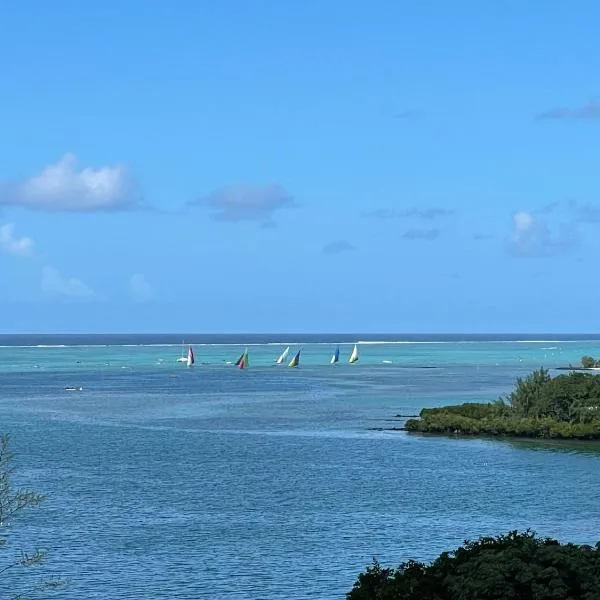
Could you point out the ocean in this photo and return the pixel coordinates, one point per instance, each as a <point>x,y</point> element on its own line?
<point>171,482</point>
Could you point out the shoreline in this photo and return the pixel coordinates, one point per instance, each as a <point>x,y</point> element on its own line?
<point>490,436</point>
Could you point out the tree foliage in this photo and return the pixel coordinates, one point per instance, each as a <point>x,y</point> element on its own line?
<point>13,503</point>
<point>513,566</point>
<point>566,406</point>
<point>588,362</point>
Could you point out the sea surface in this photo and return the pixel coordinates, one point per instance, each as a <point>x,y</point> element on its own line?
<point>270,483</point>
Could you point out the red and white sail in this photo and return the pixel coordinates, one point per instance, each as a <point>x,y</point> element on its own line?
<point>190,357</point>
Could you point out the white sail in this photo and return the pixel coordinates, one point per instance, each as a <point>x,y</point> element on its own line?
<point>283,356</point>
<point>354,356</point>
<point>183,357</point>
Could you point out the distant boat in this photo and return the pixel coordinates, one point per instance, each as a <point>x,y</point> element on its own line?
<point>183,357</point>
<point>354,356</point>
<point>283,356</point>
<point>295,361</point>
<point>241,358</point>
<point>190,357</point>
<point>72,388</point>
<point>242,361</point>
<point>336,356</point>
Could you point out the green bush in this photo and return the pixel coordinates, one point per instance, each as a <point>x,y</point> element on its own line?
<point>515,565</point>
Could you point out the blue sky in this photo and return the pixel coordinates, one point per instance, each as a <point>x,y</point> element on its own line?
<point>228,166</point>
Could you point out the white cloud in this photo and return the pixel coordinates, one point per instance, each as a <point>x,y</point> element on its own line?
<point>338,246</point>
<point>531,237</point>
<point>12,244</point>
<point>588,111</point>
<point>54,284</point>
<point>64,186</point>
<point>421,234</point>
<point>523,222</point>
<point>246,203</point>
<point>139,288</point>
<point>430,213</point>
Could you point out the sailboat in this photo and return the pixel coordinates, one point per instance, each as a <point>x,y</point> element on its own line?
<point>295,361</point>
<point>242,361</point>
<point>336,356</point>
<point>183,357</point>
<point>239,360</point>
<point>190,357</point>
<point>283,356</point>
<point>354,356</point>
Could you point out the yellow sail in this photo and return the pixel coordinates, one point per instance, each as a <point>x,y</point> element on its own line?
<point>295,361</point>
<point>354,356</point>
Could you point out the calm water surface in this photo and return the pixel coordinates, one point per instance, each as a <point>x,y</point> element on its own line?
<point>270,483</point>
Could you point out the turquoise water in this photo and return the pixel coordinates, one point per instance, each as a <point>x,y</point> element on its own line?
<point>211,482</point>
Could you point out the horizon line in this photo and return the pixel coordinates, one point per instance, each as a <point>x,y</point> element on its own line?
<point>305,333</point>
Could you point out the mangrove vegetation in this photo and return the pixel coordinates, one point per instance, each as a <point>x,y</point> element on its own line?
<point>513,566</point>
<point>589,362</point>
<point>540,406</point>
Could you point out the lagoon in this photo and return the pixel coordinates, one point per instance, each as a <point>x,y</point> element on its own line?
<point>168,482</point>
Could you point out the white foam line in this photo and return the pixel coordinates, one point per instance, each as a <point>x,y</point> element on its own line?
<point>50,346</point>
<point>300,343</point>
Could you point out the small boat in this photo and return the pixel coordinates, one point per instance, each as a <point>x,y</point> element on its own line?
<point>295,361</point>
<point>190,357</point>
<point>183,357</point>
<point>283,356</point>
<point>336,356</point>
<point>354,356</point>
<point>242,362</point>
<point>72,388</point>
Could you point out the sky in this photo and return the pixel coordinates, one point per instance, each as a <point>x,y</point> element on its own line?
<point>267,166</point>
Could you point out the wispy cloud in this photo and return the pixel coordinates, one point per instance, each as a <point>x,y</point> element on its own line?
<point>246,203</point>
<point>393,110</point>
<point>406,114</point>
<point>531,237</point>
<point>338,247</point>
<point>585,212</point>
<point>421,234</point>
<point>139,288</point>
<point>55,285</point>
<point>574,211</point>
<point>428,213</point>
<point>12,244</point>
<point>480,237</point>
<point>589,111</point>
<point>64,186</point>
<point>549,208</point>
<point>378,213</point>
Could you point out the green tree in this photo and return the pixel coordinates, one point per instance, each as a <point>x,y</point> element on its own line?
<point>516,565</point>
<point>527,398</point>
<point>13,502</point>
<point>572,398</point>
<point>587,362</point>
